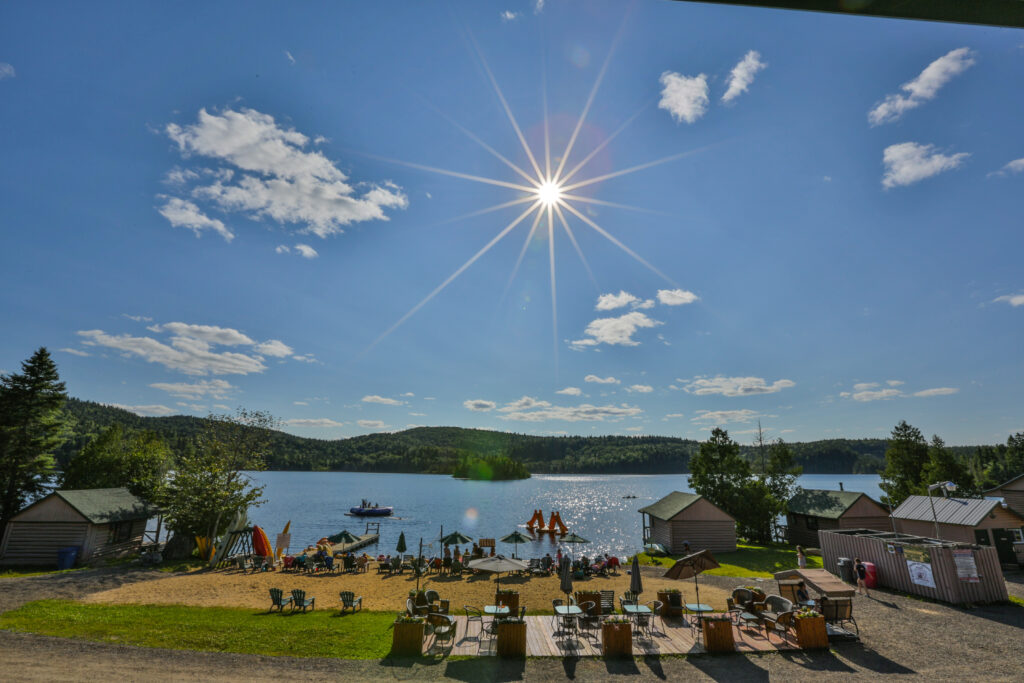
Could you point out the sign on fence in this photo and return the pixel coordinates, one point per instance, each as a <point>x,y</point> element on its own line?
<point>966,567</point>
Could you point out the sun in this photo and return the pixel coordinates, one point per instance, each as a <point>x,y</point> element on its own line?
<point>549,192</point>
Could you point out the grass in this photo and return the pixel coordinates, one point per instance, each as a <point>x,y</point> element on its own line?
<point>321,633</point>
<point>19,572</point>
<point>749,560</point>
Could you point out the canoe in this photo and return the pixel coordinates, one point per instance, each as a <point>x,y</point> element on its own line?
<point>260,543</point>
<point>372,512</point>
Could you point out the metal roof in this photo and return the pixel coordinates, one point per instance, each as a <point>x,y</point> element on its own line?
<point>103,506</point>
<point>965,511</point>
<point>822,502</point>
<point>671,505</point>
<point>1005,483</point>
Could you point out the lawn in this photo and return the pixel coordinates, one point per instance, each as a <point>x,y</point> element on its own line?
<point>19,572</point>
<point>749,560</point>
<point>321,633</point>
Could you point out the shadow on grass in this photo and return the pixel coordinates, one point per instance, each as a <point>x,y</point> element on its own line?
<point>729,667</point>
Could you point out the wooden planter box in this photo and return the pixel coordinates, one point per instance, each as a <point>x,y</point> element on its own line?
<point>717,635</point>
<point>510,600</point>
<point>667,610</point>
<point>616,640</point>
<point>407,639</point>
<point>512,640</point>
<point>810,632</point>
<point>586,596</point>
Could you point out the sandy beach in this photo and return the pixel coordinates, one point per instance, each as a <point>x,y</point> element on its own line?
<point>232,588</point>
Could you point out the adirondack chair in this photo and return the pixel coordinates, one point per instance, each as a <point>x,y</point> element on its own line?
<point>396,564</point>
<point>278,600</point>
<point>350,601</point>
<point>350,564</point>
<point>456,568</point>
<point>299,600</point>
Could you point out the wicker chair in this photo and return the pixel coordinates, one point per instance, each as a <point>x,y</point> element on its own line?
<point>838,611</point>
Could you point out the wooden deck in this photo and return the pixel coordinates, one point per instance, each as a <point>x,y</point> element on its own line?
<point>674,636</point>
<point>364,540</point>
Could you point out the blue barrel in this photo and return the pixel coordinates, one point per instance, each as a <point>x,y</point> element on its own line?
<point>66,557</point>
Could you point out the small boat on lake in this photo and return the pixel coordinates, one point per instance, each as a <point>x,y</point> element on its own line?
<point>372,510</point>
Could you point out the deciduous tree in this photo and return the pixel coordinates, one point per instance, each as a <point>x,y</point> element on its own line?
<point>137,461</point>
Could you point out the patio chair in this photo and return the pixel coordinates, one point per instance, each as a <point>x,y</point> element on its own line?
<point>456,568</point>
<point>300,601</point>
<point>590,620</point>
<point>557,602</point>
<point>627,599</point>
<point>362,563</point>
<point>443,606</point>
<point>474,614</point>
<point>278,600</point>
<point>838,611</point>
<point>771,611</point>
<point>350,564</point>
<point>607,602</point>
<point>287,562</point>
<point>396,565</point>
<point>410,607</point>
<point>674,607</point>
<point>740,602</point>
<point>444,628</point>
<point>643,623</point>
<point>656,611</point>
<point>780,623</point>
<point>432,596</point>
<point>383,568</point>
<point>350,601</point>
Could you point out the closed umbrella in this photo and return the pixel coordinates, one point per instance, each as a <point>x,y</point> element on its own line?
<point>516,537</point>
<point>456,538</point>
<point>401,547</point>
<point>692,565</point>
<point>636,584</point>
<point>565,576</point>
<point>497,565</point>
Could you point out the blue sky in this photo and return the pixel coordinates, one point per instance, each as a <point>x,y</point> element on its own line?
<point>215,205</point>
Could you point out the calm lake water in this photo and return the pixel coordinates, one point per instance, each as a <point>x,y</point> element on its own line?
<point>591,505</point>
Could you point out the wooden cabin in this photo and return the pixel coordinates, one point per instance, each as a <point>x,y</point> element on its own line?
<point>100,522</point>
<point>681,518</point>
<point>982,521</point>
<point>1012,492</point>
<point>811,510</point>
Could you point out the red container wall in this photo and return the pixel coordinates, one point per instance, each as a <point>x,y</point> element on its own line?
<point>871,574</point>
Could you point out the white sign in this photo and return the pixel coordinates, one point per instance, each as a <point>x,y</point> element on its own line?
<point>283,541</point>
<point>966,567</point>
<point>921,573</point>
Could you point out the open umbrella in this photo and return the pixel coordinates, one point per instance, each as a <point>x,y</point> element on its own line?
<point>345,538</point>
<point>574,538</point>
<point>636,584</point>
<point>456,538</point>
<point>401,547</point>
<point>692,565</point>
<point>497,564</point>
<point>516,537</point>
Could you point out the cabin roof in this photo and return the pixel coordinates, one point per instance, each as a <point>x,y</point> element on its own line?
<point>671,505</point>
<point>1005,483</point>
<point>103,506</point>
<point>965,511</point>
<point>823,502</point>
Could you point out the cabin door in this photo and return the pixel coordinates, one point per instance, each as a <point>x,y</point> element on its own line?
<point>981,537</point>
<point>1004,545</point>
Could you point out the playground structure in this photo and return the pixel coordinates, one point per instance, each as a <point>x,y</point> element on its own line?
<point>555,524</point>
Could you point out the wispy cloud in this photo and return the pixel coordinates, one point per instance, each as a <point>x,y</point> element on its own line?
<point>75,352</point>
<point>274,348</point>
<point>529,409</point>
<point>215,388</point>
<point>320,422</point>
<point>743,74</point>
<point>138,318</point>
<point>865,392</point>
<point>145,411</point>
<point>479,405</point>
<point>922,88</point>
<point>377,425</point>
<point>291,60</point>
<point>570,391</point>
<point>1015,166</point>
<point>734,386</point>
<point>538,6</point>
<point>509,15</point>
<point>909,162</point>
<point>600,380</point>
<point>727,416</point>
<point>6,71</point>
<point>182,213</point>
<point>306,251</point>
<point>684,97</point>
<point>937,391</point>
<point>1012,299</point>
<point>640,388</point>
<point>382,400</point>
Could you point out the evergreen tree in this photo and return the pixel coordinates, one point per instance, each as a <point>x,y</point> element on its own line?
<point>905,461</point>
<point>32,426</point>
<point>115,458</point>
<point>943,465</point>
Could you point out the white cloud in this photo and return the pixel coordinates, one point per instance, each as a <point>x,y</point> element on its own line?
<point>1015,166</point>
<point>743,75</point>
<point>538,6</point>
<point>418,414</point>
<point>509,15</point>
<point>922,88</point>
<point>306,251</point>
<point>195,407</point>
<point>274,348</point>
<point>185,354</point>
<point>300,403</point>
<point>75,352</point>
<point>278,178</point>
<point>479,405</point>
<point>408,394</point>
<point>138,318</point>
<point>145,411</point>
<point>524,403</point>
<point>909,162</point>
<point>305,358</point>
<point>221,406</point>
<point>570,391</point>
<point>182,213</point>
<point>212,334</point>
<point>675,415</point>
<point>6,71</point>
<point>864,386</point>
<point>180,176</point>
<point>282,249</point>
<point>600,380</point>
<point>735,386</point>
<point>215,388</point>
<point>322,422</point>
<point>373,424</point>
<point>938,391</point>
<point>608,302</point>
<point>1012,299</point>
<point>616,331</point>
<point>895,382</point>
<point>635,429</point>
<point>727,416</point>
<point>528,409</point>
<point>676,297</point>
<point>879,395</point>
<point>640,388</point>
<point>685,97</point>
<point>291,59</point>
<point>382,400</point>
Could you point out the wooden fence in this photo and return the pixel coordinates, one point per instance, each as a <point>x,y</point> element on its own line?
<point>893,571</point>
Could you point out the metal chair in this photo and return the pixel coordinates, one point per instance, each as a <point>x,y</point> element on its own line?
<point>590,620</point>
<point>656,607</point>
<point>558,602</point>
<point>474,614</point>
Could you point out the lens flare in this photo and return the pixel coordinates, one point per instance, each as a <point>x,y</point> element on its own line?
<point>549,193</point>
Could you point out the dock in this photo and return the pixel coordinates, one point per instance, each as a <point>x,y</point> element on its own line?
<point>364,540</point>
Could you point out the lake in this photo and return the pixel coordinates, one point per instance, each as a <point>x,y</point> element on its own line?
<point>591,505</point>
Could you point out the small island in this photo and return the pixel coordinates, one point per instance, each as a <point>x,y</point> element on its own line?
<point>489,468</point>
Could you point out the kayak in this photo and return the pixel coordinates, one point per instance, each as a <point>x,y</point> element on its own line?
<point>373,511</point>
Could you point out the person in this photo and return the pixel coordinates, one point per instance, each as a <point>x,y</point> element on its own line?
<point>476,550</point>
<point>547,562</point>
<point>447,552</point>
<point>802,596</point>
<point>801,558</point>
<point>862,575</point>
<point>558,557</point>
<point>457,554</point>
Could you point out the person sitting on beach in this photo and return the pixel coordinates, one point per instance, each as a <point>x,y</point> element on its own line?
<point>476,550</point>
<point>546,562</point>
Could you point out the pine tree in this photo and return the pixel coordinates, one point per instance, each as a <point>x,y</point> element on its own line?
<point>32,426</point>
<point>905,461</point>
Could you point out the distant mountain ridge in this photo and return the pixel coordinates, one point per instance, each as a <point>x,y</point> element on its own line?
<point>437,449</point>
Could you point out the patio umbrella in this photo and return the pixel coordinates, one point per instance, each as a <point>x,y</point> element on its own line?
<point>574,538</point>
<point>516,537</point>
<point>692,565</point>
<point>497,564</point>
<point>565,576</point>
<point>401,547</point>
<point>344,538</point>
<point>456,538</point>
<point>636,584</point>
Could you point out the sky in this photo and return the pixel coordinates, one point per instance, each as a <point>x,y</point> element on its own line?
<point>541,217</point>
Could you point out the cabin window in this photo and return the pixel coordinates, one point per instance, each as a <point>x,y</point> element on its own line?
<point>120,532</point>
<point>1018,535</point>
<point>812,523</point>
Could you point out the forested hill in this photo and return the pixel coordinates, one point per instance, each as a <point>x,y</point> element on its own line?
<point>436,449</point>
